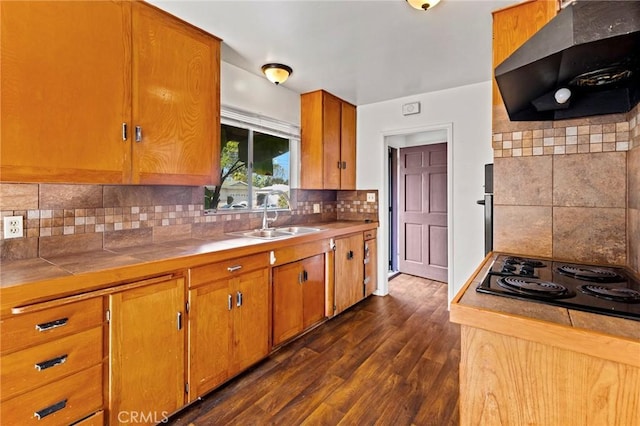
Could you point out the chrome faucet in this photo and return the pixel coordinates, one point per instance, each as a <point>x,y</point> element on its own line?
<point>265,219</point>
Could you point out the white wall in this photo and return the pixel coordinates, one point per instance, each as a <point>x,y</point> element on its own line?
<point>467,110</point>
<point>243,90</point>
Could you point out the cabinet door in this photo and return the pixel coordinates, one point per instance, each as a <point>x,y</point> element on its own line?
<point>146,350</point>
<point>176,100</point>
<point>370,267</point>
<point>313,289</point>
<point>332,113</point>
<point>348,147</point>
<point>209,337</point>
<point>250,341</point>
<point>66,91</point>
<point>349,271</point>
<point>287,301</point>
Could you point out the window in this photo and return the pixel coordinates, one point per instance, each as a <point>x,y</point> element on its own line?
<point>254,160</point>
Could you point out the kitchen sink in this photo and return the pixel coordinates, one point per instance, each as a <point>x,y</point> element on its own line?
<point>296,230</point>
<point>275,233</point>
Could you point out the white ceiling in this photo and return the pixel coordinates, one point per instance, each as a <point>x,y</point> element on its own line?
<point>363,51</point>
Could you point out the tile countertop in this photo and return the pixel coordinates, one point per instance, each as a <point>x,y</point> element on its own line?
<point>598,335</point>
<point>38,280</point>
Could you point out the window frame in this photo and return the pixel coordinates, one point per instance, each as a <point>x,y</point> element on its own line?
<point>266,125</point>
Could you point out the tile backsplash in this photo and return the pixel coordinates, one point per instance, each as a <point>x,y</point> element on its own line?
<point>63,219</point>
<point>569,189</point>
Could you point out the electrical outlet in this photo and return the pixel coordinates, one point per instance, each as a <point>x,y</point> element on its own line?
<point>371,197</point>
<point>316,208</point>
<point>12,227</point>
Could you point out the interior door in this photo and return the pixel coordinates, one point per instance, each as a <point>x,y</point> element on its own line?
<point>423,211</point>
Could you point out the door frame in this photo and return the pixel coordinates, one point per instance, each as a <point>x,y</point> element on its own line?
<point>402,138</point>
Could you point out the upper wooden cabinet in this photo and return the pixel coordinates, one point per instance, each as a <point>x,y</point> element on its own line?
<point>514,25</point>
<point>328,147</point>
<point>73,73</point>
<point>176,100</point>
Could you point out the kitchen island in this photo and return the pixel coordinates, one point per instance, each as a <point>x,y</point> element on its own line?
<point>524,362</point>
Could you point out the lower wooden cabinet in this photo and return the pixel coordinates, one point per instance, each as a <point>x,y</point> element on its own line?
<point>349,271</point>
<point>228,320</point>
<point>60,403</point>
<point>146,352</point>
<point>370,263</point>
<point>168,344</point>
<point>52,363</point>
<point>298,297</point>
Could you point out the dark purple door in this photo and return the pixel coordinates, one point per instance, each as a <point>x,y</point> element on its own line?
<point>423,211</point>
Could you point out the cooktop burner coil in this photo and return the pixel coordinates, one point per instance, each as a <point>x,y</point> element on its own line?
<point>534,287</point>
<point>617,294</point>
<point>514,260</point>
<point>590,273</point>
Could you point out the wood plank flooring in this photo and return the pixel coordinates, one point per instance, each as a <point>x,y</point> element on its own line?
<point>389,360</point>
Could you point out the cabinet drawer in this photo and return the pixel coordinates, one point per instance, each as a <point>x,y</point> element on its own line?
<point>370,234</point>
<point>96,419</point>
<point>35,328</point>
<point>227,269</point>
<point>36,366</point>
<point>60,403</point>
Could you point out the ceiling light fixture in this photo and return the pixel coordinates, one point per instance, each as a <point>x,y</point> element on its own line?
<point>423,4</point>
<point>277,73</point>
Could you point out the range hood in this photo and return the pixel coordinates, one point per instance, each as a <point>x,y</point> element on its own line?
<point>591,48</point>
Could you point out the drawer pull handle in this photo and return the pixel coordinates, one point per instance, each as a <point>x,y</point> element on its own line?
<point>51,362</point>
<point>234,268</point>
<point>52,324</point>
<point>50,410</point>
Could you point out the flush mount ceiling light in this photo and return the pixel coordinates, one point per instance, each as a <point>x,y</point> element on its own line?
<point>276,73</point>
<point>422,4</point>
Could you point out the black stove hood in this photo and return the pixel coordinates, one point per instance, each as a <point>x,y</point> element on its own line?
<point>591,48</point>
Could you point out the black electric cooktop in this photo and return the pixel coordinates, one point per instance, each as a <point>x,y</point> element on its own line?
<point>604,290</point>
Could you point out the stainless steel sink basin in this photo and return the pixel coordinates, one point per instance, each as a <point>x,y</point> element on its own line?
<point>275,233</point>
<point>296,230</point>
<point>265,234</point>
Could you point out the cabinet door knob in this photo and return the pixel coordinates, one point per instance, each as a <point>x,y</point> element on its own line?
<point>238,299</point>
<point>350,255</point>
<point>138,133</point>
<point>234,268</point>
<point>230,302</point>
<point>124,132</point>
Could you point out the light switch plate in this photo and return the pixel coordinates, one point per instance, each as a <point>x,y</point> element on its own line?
<point>316,208</point>
<point>12,227</point>
<point>371,197</point>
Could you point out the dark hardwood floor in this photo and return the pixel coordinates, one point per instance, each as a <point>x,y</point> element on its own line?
<point>386,361</point>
